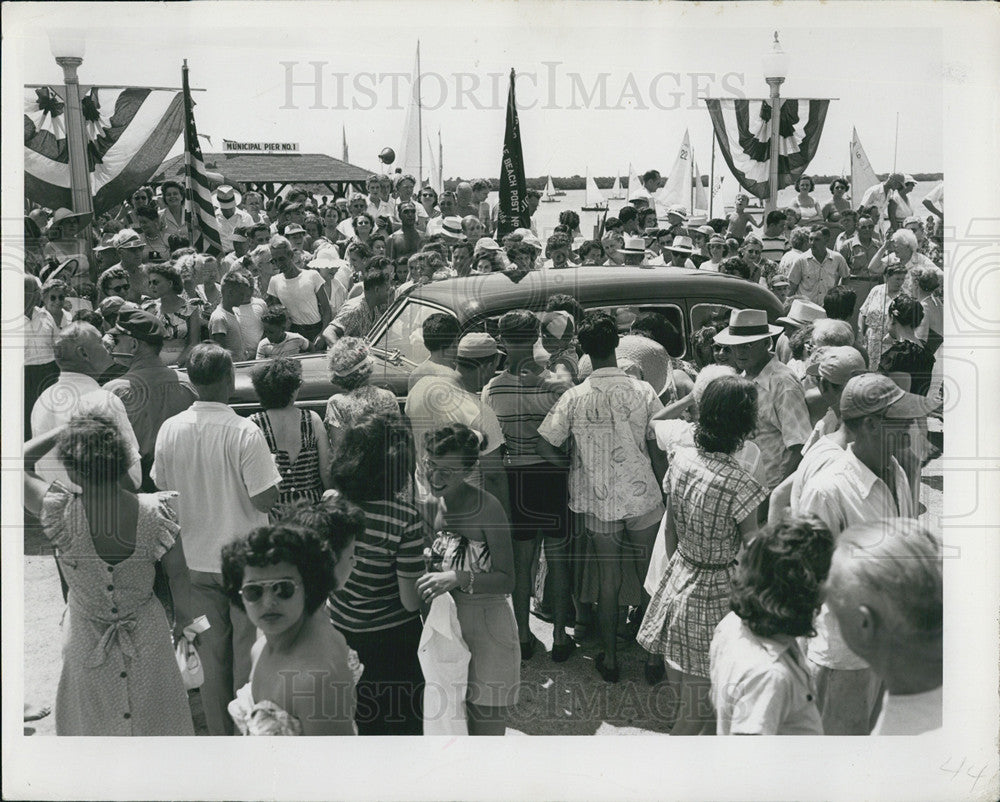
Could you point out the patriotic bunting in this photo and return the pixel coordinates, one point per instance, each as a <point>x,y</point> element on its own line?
<point>743,131</point>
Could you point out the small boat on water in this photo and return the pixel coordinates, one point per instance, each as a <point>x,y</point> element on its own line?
<point>617,193</point>
<point>594,201</point>
<point>549,196</point>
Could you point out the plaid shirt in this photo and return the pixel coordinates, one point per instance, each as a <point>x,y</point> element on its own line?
<point>782,417</point>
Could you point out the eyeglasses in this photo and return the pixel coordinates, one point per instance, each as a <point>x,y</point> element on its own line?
<point>363,223</point>
<point>431,467</point>
<point>117,288</point>
<point>56,297</point>
<point>283,589</point>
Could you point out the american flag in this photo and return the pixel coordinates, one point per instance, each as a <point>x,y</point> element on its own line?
<point>202,210</point>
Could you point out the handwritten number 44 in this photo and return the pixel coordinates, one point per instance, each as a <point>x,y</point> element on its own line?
<point>949,767</point>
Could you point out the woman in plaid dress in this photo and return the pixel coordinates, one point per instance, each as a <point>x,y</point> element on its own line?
<point>711,505</point>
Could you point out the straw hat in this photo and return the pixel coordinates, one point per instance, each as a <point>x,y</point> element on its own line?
<point>747,326</point>
<point>801,313</point>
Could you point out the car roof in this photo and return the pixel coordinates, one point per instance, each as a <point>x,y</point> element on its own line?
<point>477,296</point>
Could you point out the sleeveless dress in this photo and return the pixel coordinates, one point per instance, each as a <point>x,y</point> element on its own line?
<point>301,479</point>
<point>119,675</point>
<point>488,626</point>
<point>176,324</point>
<point>268,718</point>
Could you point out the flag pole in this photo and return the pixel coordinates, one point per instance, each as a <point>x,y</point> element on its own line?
<point>420,126</point>
<point>711,182</point>
<point>188,189</point>
<point>895,147</point>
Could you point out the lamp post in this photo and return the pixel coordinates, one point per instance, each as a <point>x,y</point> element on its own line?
<point>775,71</point>
<point>68,50</point>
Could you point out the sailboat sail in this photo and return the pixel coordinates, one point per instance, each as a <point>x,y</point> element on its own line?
<point>678,187</point>
<point>550,188</point>
<point>862,174</point>
<point>410,157</point>
<point>635,187</point>
<point>700,204</point>
<point>616,189</point>
<point>434,179</point>
<point>594,196</point>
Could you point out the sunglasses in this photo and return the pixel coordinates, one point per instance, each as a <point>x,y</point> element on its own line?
<point>363,223</point>
<point>283,589</point>
<point>116,288</point>
<point>56,297</point>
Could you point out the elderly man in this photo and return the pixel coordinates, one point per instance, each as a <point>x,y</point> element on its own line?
<point>227,217</point>
<point>817,270</point>
<point>81,357</point>
<point>782,416</point>
<point>130,246</point>
<point>301,292</point>
<point>150,391</point>
<point>226,480</point>
<point>865,484</point>
<point>885,589</point>
<point>358,204</point>
<point>465,204</point>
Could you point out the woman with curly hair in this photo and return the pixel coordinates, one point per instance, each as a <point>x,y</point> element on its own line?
<point>180,318</point>
<point>351,368</point>
<point>119,675</point>
<point>760,683</point>
<point>303,675</point>
<point>711,505</point>
<point>475,563</point>
<point>294,436</point>
<point>377,608</point>
<point>908,362</point>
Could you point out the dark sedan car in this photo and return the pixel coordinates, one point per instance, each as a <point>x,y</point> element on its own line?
<point>686,297</point>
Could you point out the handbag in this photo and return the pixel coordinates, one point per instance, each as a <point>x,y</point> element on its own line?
<point>188,660</point>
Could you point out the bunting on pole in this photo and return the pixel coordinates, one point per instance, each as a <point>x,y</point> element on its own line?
<point>513,209</point>
<point>743,130</point>
<point>129,132</point>
<point>201,207</point>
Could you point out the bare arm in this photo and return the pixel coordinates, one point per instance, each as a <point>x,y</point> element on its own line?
<point>323,450</point>
<point>175,567</point>
<point>325,313</point>
<point>791,460</point>
<point>266,499</point>
<point>658,459</point>
<point>674,409</point>
<point>748,526</point>
<point>193,337</point>
<point>35,487</point>
<point>933,209</point>
<point>877,265</point>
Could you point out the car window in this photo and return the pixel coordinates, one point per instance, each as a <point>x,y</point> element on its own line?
<point>405,332</point>
<point>676,339</point>
<point>703,313</point>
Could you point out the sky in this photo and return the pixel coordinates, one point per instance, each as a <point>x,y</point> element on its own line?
<point>652,60</point>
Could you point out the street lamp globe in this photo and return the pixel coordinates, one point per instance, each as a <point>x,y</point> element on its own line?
<point>775,62</point>
<point>67,44</point>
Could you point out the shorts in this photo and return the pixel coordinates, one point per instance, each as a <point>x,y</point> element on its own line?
<point>636,524</point>
<point>539,501</point>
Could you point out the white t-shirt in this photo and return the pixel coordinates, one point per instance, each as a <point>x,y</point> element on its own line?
<point>215,461</point>
<point>298,295</point>
<point>913,714</point>
<point>249,316</point>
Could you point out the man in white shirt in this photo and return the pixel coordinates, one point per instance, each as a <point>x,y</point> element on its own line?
<point>81,357</point>
<point>935,200</point>
<point>226,480</point>
<point>358,204</point>
<point>885,590</point>
<point>879,194</point>
<point>865,484</point>
<point>227,217</point>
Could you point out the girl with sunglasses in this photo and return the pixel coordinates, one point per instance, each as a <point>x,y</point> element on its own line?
<point>303,673</point>
<point>475,563</point>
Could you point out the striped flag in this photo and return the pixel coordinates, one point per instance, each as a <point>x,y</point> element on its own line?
<point>202,209</point>
<point>128,130</point>
<point>743,130</point>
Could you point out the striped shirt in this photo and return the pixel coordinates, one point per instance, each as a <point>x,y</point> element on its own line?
<point>521,406</point>
<point>392,546</point>
<point>774,247</point>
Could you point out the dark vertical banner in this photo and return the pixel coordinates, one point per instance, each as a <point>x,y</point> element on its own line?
<point>513,209</point>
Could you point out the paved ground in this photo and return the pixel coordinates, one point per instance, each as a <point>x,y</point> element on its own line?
<point>557,699</point>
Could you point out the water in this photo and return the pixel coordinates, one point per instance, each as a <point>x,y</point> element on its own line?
<point>547,216</point>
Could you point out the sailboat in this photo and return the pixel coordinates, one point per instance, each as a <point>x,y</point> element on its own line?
<point>635,187</point>
<point>594,201</point>
<point>410,153</point>
<point>862,174</point>
<point>436,179</point>
<point>550,192</point>
<point>616,190</point>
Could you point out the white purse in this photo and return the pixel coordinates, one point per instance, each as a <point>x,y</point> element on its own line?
<point>188,660</point>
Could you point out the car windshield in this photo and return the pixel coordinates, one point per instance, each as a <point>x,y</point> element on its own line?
<point>405,334</point>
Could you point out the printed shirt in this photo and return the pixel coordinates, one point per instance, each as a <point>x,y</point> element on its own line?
<point>858,255</point>
<point>608,417</point>
<point>760,686</point>
<point>815,278</point>
<point>843,493</point>
<point>521,405</point>
<point>782,417</point>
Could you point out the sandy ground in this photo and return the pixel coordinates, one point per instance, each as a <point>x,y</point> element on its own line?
<point>557,698</point>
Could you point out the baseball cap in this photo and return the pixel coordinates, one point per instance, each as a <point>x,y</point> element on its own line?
<point>558,324</point>
<point>477,345</point>
<point>141,325</point>
<point>871,393</point>
<point>127,238</point>
<point>837,364</point>
<point>294,228</point>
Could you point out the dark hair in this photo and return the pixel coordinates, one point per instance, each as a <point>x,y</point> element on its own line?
<point>777,216</point>
<point>289,543</point>
<point>440,331</point>
<point>735,266</point>
<point>368,217</point>
<point>590,251</point>
<point>208,364</point>
<point>452,438</point>
<point>93,447</point>
<point>375,278</point>
<point>598,335</point>
<point>167,185</point>
<point>820,229</point>
<point>561,302</point>
<point>275,381</point>
<point>95,319</point>
<point>168,272</point>
<point>799,339</point>
<point>612,223</point>
<point>839,302</point>
<point>518,325</point>
<point>849,213</point>
<point>651,175</point>
<point>276,315</point>
<point>776,589</point>
<point>335,520</point>
<point>906,310</point>
<point>569,218</point>
<point>727,414</point>
<point>657,328</point>
<point>110,275</point>
<point>480,184</point>
<point>842,181</point>
<point>362,249</point>
<point>533,193</point>
<point>375,459</point>
<point>801,178</point>
<point>465,245</point>
<point>557,240</point>
<point>627,214</point>
<point>176,242</point>
<point>148,212</point>
<point>704,338</point>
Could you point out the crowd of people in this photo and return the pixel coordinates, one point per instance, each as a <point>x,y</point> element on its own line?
<point>748,515</point>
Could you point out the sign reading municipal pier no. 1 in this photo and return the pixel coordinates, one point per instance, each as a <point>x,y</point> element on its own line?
<point>233,146</point>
